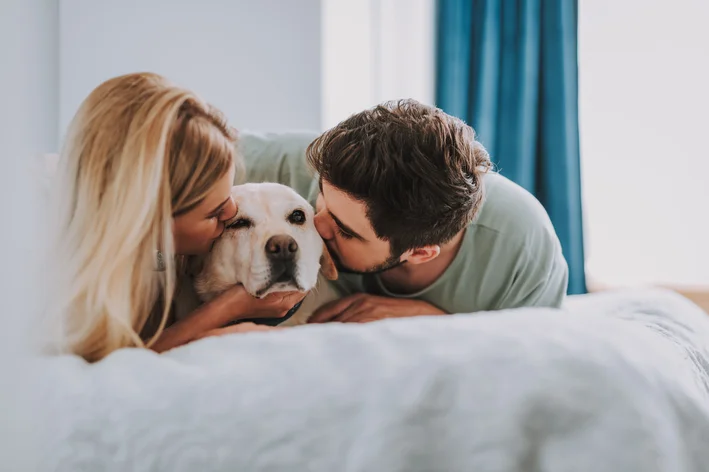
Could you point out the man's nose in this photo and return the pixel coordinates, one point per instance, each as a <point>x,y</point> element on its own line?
<point>323,225</point>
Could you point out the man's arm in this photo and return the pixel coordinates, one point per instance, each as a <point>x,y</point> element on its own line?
<point>277,157</point>
<point>363,308</point>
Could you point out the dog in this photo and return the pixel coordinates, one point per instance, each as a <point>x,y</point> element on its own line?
<point>271,245</point>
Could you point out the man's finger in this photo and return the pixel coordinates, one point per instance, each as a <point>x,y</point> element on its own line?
<point>331,310</point>
<point>352,312</point>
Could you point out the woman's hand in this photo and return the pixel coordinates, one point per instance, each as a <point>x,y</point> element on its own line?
<point>273,305</point>
<point>235,304</point>
<point>245,327</point>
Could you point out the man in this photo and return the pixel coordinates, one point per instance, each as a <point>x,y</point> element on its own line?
<point>413,217</point>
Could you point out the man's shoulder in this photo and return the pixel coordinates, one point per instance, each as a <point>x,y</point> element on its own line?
<point>512,229</point>
<point>510,256</point>
<point>512,212</point>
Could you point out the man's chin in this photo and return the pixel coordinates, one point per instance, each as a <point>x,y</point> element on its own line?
<point>347,270</point>
<point>377,269</point>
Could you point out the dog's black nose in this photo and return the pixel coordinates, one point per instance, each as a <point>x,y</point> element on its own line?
<point>281,247</point>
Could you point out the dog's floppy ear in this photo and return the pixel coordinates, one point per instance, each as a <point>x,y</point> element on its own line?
<point>327,266</point>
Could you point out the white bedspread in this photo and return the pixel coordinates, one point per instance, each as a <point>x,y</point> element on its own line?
<point>615,382</point>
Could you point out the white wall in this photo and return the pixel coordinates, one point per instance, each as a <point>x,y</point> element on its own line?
<point>258,61</point>
<point>644,96</point>
<point>29,73</point>
<point>27,127</point>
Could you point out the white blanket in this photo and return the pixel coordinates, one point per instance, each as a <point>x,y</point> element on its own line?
<point>615,382</point>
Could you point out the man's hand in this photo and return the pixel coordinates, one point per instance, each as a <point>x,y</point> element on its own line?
<point>363,308</point>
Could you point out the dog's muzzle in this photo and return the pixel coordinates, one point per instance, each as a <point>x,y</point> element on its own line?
<point>282,253</point>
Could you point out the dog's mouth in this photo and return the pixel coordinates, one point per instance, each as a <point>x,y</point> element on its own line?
<point>283,278</point>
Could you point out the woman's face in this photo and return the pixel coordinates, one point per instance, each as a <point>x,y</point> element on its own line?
<point>196,230</point>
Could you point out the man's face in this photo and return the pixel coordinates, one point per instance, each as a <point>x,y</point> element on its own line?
<point>342,222</point>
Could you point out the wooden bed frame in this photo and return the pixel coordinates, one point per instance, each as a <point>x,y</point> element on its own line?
<point>699,295</point>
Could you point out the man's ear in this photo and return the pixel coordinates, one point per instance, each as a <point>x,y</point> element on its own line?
<point>422,254</point>
<point>327,266</point>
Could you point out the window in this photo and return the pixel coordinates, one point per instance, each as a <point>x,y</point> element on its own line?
<point>375,50</point>
<point>644,117</point>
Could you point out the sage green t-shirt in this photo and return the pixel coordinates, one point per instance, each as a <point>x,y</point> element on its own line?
<point>510,255</point>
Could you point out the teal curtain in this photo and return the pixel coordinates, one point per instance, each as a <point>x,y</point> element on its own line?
<point>509,69</point>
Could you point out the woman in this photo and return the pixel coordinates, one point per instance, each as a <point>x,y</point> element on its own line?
<point>144,180</point>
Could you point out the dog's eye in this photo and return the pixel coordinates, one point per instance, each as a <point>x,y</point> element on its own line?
<point>297,217</point>
<point>240,223</point>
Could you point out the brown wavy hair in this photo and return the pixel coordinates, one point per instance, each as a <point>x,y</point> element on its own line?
<point>417,169</point>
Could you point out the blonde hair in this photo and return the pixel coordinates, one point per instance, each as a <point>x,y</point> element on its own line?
<point>139,151</point>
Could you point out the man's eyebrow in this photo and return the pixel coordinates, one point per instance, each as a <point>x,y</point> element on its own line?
<point>219,207</point>
<point>346,228</point>
<point>339,222</point>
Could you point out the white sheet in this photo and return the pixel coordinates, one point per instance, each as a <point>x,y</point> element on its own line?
<point>615,382</point>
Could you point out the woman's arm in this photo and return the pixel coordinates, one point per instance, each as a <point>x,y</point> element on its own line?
<point>233,305</point>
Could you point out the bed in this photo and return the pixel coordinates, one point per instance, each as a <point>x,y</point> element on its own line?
<point>615,381</point>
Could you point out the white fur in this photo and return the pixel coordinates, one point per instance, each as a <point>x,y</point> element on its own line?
<point>239,256</point>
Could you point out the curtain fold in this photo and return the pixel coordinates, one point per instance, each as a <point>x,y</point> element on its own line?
<point>509,69</point>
